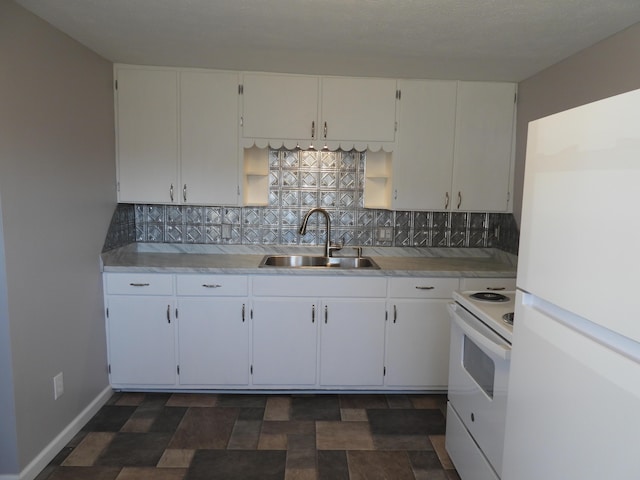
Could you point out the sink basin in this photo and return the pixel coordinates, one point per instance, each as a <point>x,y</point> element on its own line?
<point>309,261</point>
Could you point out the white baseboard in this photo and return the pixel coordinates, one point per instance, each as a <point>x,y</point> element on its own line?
<point>38,464</point>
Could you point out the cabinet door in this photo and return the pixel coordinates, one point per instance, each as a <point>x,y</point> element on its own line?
<point>147,135</point>
<point>423,161</point>
<point>358,109</point>
<point>284,341</point>
<point>483,146</point>
<point>352,342</point>
<point>141,335</point>
<point>418,344</point>
<point>279,106</point>
<point>213,341</point>
<point>209,138</point>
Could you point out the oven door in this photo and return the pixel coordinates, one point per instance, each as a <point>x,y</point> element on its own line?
<point>478,379</point>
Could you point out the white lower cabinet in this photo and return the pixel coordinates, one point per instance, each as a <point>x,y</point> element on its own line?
<point>285,342</point>
<point>213,341</point>
<point>352,342</point>
<point>141,336</point>
<point>417,353</point>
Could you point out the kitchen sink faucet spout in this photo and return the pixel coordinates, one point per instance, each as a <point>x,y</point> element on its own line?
<point>328,247</point>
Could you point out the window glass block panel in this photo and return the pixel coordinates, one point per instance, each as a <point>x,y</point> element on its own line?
<point>289,236</point>
<point>270,236</point>
<point>328,199</point>
<point>329,160</point>
<point>274,178</point>
<point>155,213</point>
<point>384,218</point>
<point>421,220</point>
<point>155,232</point>
<point>140,235</point>
<point>271,217</point>
<point>213,234</point>
<point>309,199</point>
<point>251,216</point>
<point>173,234</point>
<point>347,199</point>
<point>212,215</point>
<point>403,220</point>
<point>274,198</point>
<point>289,198</point>
<point>440,220</point>
<point>174,214</point>
<point>311,237</point>
<point>290,217</point>
<point>308,179</point>
<point>402,237</point>
<point>345,236</point>
<point>458,237</point>
<point>348,180</point>
<point>251,235</point>
<point>194,215</point>
<point>289,178</point>
<point>274,158</point>
<point>365,218</point>
<point>349,160</point>
<point>140,212</point>
<point>478,221</point>
<point>364,237</point>
<point>477,238</point>
<point>309,159</point>
<point>421,238</point>
<point>194,234</point>
<point>459,220</point>
<point>290,159</point>
<point>346,218</point>
<point>360,160</point>
<point>328,180</point>
<point>440,238</point>
<point>232,215</point>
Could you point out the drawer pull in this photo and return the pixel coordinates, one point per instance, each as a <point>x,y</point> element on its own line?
<point>418,287</point>
<point>211,285</point>
<point>243,311</point>
<point>395,313</point>
<point>139,284</point>
<point>313,314</point>
<point>168,313</point>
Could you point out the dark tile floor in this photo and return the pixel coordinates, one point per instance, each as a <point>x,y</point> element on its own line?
<point>165,436</point>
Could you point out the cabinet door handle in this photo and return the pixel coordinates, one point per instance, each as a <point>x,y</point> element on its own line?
<point>139,284</point>
<point>459,199</point>
<point>326,314</point>
<point>313,314</point>
<point>496,288</point>
<point>211,285</point>
<point>184,193</point>
<point>243,310</point>
<point>313,129</point>
<point>168,313</point>
<point>418,287</point>
<point>446,200</point>
<point>171,192</point>
<point>325,130</point>
<point>395,313</point>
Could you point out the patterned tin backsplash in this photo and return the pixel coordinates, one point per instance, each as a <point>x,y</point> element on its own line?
<point>298,181</point>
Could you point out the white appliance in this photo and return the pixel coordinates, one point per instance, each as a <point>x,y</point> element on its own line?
<point>478,379</point>
<point>573,409</point>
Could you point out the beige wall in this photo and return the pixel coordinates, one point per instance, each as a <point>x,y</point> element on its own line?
<point>609,67</point>
<point>57,190</point>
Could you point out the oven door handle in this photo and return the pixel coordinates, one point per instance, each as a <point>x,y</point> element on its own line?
<point>500,351</point>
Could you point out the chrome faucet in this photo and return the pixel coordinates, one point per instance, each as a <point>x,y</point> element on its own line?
<point>328,246</point>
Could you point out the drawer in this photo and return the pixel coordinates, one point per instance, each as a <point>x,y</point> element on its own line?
<point>422,287</point>
<point>139,284</point>
<point>324,286</point>
<point>213,285</point>
<point>488,284</point>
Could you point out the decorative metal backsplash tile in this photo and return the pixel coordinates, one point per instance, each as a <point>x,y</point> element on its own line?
<point>300,180</point>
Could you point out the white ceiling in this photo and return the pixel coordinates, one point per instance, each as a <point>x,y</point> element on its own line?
<point>458,39</point>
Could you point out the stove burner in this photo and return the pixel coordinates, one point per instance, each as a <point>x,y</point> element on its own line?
<point>508,318</point>
<point>489,297</point>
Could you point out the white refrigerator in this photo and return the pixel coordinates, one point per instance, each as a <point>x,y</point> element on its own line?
<point>573,408</point>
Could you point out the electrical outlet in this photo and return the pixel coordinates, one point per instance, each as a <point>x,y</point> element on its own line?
<point>385,234</point>
<point>58,386</point>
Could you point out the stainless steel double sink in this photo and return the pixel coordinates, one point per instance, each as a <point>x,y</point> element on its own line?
<point>310,261</point>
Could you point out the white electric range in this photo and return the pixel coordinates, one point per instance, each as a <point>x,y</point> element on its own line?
<point>481,332</point>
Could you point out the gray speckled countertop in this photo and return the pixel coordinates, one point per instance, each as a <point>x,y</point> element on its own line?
<point>244,259</point>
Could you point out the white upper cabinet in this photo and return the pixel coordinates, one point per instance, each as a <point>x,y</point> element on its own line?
<point>147,135</point>
<point>279,106</point>
<point>423,159</point>
<point>209,137</point>
<point>177,136</point>
<point>483,146</point>
<point>292,109</point>
<point>358,109</point>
